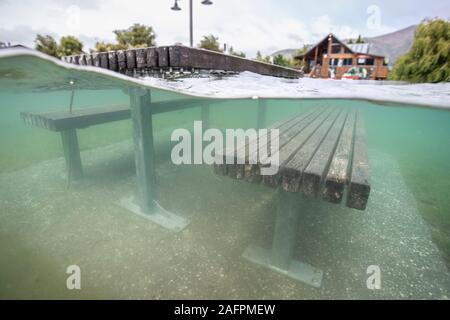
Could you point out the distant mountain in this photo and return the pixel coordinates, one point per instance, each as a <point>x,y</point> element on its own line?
<point>391,45</point>
<point>287,53</point>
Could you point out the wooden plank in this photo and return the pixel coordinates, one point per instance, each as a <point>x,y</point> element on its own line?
<point>82,60</point>
<point>287,132</point>
<point>95,60</point>
<point>103,56</point>
<point>237,170</point>
<point>82,118</point>
<point>291,171</point>
<point>112,61</point>
<point>338,173</point>
<point>131,59</point>
<point>163,56</point>
<point>141,58</point>
<point>60,121</point>
<point>289,149</point>
<point>313,176</point>
<point>151,57</point>
<point>89,61</point>
<point>186,57</point>
<point>359,187</point>
<point>121,60</point>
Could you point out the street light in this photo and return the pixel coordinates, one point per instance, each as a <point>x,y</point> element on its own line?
<point>191,27</point>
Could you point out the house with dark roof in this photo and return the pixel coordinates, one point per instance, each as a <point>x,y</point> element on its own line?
<point>332,58</point>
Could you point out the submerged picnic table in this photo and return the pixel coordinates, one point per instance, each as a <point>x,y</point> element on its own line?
<point>322,154</point>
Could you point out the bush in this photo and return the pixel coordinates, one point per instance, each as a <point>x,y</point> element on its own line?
<point>429,57</point>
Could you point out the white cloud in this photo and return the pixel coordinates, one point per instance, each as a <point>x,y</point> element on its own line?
<point>248,26</point>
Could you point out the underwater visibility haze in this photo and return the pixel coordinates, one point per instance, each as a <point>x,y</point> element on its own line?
<point>48,223</point>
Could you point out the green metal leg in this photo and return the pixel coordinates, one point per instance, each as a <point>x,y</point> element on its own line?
<point>280,257</point>
<point>72,154</point>
<point>145,204</point>
<point>205,117</point>
<point>262,110</point>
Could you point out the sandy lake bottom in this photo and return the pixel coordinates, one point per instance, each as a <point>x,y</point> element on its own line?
<point>46,226</point>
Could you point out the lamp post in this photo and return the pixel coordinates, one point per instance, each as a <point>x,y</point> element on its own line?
<point>191,26</point>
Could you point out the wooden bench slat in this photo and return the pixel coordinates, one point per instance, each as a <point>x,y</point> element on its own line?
<point>291,172</point>
<point>252,172</point>
<point>314,174</point>
<point>337,176</point>
<point>82,118</point>
<point>241,167</point>
<point>359,186</point>
<point>233,152</point>
<point>288,150</point>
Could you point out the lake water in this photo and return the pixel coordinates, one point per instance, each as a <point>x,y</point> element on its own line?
<point>47,225</point>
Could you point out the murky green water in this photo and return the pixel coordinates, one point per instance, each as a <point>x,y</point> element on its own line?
<point>45,226</point>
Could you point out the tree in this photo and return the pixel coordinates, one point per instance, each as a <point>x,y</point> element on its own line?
<point>360,39</point>
<point>236,53</point>
<point>259,56</point>
<point>69,45</point>
<point>138,35</point>
<point>298,63</point>
<point>350,41</point>
<point>280,60</point>
<point>103,47</point>
<point>428,60</point>
<point>47,45</point>
<point>210,43</point>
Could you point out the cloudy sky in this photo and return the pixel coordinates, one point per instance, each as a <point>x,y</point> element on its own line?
<point>247,25</point>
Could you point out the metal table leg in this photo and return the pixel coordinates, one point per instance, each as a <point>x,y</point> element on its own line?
<point>280,257</point>
<point>144,204</point>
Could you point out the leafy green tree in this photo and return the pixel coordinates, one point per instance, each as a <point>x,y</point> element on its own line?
<point>360,39</point>
<point>350,41</point>
<point>103,47</point>
<point>210,42</point>
<point>69,45</point>
<point>138,35</point>
<point>259,56</point>
<point>280,60</point>
<point>47,45</point>
<point>428,60</point>
<point>236,53</point>
<point>298,63</point>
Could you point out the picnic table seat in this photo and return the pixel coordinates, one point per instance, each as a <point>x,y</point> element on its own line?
<point>322,155</point>
<point>67,122</point>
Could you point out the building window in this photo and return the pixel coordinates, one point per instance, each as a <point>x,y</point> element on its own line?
<point>370,62</point>
<point>348,62</point>
<point>333,62</point>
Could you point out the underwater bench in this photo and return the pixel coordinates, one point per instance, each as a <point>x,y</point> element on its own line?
<point>67,122</point>
<point>322,154</point>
